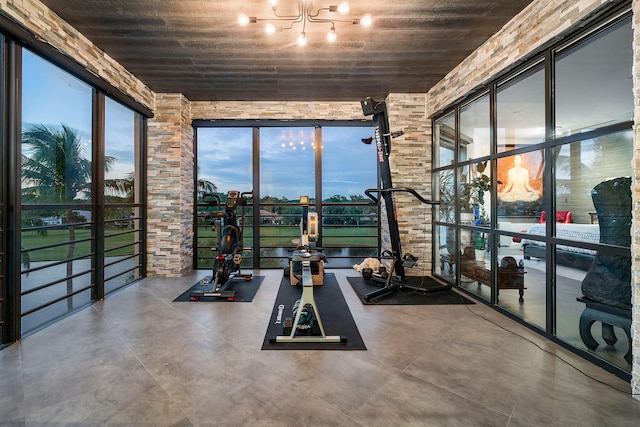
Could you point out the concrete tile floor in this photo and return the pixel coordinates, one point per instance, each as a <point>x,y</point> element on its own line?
<point>139,359</point>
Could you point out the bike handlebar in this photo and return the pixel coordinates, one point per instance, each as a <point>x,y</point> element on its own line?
<point>392,190</point>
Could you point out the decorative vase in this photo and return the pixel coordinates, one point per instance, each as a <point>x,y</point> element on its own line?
<point>480,254</point>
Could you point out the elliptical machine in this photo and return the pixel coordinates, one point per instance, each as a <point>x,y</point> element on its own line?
<point>229,229</point>
<point>389,282</point>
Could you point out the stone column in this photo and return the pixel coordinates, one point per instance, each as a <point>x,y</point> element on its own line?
<point>170,166</point>
<point>411,164</point>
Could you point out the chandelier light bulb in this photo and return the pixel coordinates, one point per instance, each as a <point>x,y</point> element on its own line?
<point>306,16</point>
<point>243,20</point>
<point>302,39</point>
<point>331,35</point>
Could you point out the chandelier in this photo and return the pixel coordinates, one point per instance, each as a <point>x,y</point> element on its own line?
<point>306,15</point>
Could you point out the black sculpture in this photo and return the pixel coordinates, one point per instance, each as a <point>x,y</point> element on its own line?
<point>608,281</point>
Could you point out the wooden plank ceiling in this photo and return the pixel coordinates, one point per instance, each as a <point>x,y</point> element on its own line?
<point>197,47</point>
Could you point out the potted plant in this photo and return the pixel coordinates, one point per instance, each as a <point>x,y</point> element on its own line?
<point>480,244</point>
<point>473,192</point>
<point>446,208</point>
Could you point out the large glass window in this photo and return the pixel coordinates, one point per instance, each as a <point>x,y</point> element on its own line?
<point>556,250</point>
<point>219,171</point>
<point>349,222</point>
<point>594,82</point>
<point>593,259</point>
<point>328,164</point>
<point>444,139</point>
<point>287,171</point>
<point>520,110</point>
<point>123,242</point>
<point>474,129</point>
<point>287,163</point>
<point>57,232</point>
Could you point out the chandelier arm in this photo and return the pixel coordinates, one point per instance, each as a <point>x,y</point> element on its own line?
<point>293,19</point>
<point>318,12</point>
<point>287,16</point>
<point>312,19</point>
<point>291,24</point>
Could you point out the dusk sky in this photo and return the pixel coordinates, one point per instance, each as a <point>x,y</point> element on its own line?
<point>53,97</point>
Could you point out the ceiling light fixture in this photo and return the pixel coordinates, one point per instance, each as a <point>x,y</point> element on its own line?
<point>305,15</point>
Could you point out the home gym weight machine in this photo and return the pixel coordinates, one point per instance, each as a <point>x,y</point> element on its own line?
<point>389,282</point>
<point>229,232</point>
<point>306,267</point>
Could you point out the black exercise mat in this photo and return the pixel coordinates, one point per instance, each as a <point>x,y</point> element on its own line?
<point>334,313</point>
<point>246,290</point>
<point>408,296</point>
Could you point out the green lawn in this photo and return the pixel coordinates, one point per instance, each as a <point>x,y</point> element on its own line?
<point>279,236</point>
<point>53,237</point>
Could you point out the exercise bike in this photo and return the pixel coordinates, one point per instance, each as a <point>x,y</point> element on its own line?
<point>394,279</point>
<point>229,231</point>
<point>306,267</point>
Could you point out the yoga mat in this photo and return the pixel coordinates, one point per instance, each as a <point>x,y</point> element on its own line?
<point>408,296</point>
<point>246,290</point>
<point>334,313</point>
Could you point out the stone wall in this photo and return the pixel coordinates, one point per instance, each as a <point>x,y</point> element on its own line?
<point>276,110</point>
<point>170,183</point>
<point>411,167</point>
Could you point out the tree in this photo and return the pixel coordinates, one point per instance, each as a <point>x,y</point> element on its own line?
<point>56,170</point>
<point>205,187</point>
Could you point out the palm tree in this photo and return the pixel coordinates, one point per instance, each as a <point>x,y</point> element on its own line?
<point>205,187</point>
<point>56,170</point>
<point>121,188</point>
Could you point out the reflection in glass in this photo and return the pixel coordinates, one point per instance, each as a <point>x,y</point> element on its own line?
<point>606,288</point>
<point>475,263</point>
<point>518,187</point>
<point>474,129</point>
<point>123,219</point>
<point>447,196</point>
<point>520,184</point>
<point>475,193</point>
<point>120,152</point>
<point>219,168</point>
<point>582,165</point>
<point>593,85</point>
<point>287,163</point>
<point>219,171</point>
<point>444,140</point>
<point>520,110</point>
<point>57,152</point>
<point>349,224</point>
<point>348,165</point>
<point>56,113</point>
<point>446,252</point>
<point>56,265</point>
<point>532,273</point>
